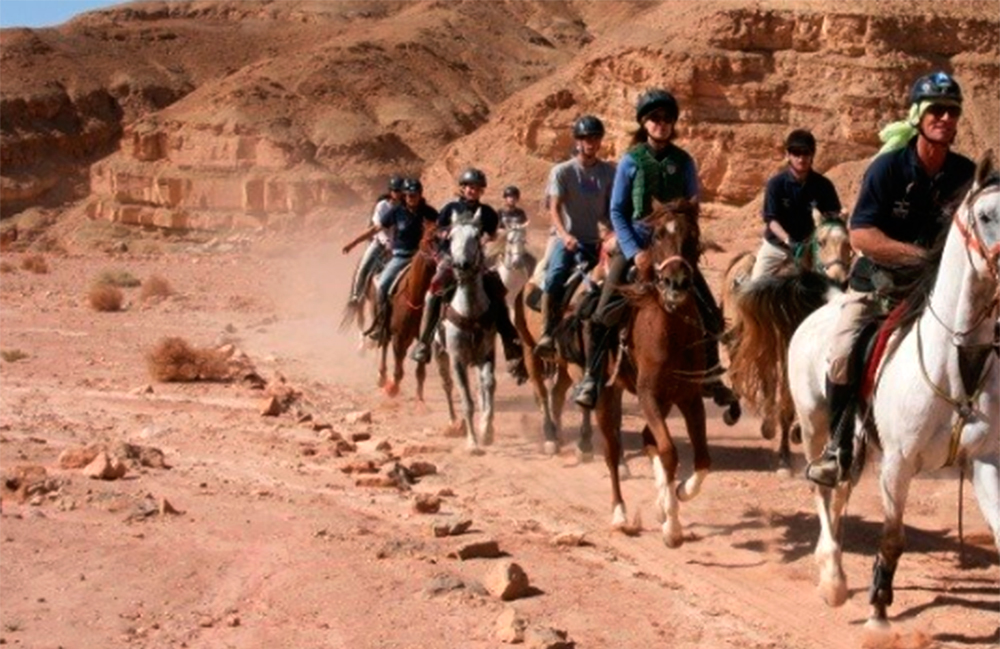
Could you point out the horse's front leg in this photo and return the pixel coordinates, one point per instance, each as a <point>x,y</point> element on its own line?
<point>536,375</point>
<point>421,375</point>
<point>382,363</point>
<point>487,392</point>
<point>461,374</point>
<point>664,458</point>
<point>444,371</point>
<point>557,400</point>
<point>894,481</point>
<point>398,358</point>
<point>607,423</point>
<point>693,410</point>
<point>986,484</point>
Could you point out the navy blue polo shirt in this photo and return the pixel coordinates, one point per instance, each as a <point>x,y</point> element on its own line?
<point>900,199</point>
<point>409,226</point>
<point>790,203</point>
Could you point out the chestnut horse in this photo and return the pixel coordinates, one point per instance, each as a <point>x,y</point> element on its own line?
<point>407,302</point>
<point>661,361</point>
<point>763,309</point>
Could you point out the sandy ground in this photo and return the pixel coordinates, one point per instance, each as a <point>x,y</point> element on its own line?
<point>275,546</point>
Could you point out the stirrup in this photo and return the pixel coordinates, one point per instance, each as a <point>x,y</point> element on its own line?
<point>586,392</point>
<point>826,471</point>
<point>421,352</point>
<point>545,346</point>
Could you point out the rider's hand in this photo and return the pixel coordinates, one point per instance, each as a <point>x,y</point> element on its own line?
<point>570,242</point>
<point>345,249</point>
<point>643,261</point>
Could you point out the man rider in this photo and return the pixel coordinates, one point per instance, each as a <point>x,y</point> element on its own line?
<point>903,206</point>
<point>381,243</point>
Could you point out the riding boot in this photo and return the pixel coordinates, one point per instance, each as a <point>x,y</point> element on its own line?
<point>712,385</point>
<point>590,385</point>
<point>834,464</point>
<point>512,349</point>
<point>546,345</point>
<point>428,326</point>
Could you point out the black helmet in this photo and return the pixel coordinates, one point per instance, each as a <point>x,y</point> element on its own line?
<point>936,86</point>
<point>412,186</point>
<point>396,183</point>
<point>472,176</point>
<point>800,139</point>
<point>653,99</point>
<point>588,126</point>
<point>511,190</point>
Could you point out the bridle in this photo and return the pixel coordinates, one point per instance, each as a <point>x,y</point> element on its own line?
<point>818,264</point>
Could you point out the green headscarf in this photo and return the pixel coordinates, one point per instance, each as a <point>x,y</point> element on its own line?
<point>897,134</point>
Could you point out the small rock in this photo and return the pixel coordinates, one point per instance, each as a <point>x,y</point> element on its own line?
<point>442,584</point>
<point>547,638</point>
<point>384,446</point>
<point>488,549</point>
<point>343,446</point>
<point>419,469</point>
<point>447,492</point>
<point>141,390</point>
<point>270,407</point>
<point>318,426</point>
<point>427,504</point>
<point>105,467</point>
<point>510,627</point>
<point>233,620</point>
<point>423,449</point>
<point>360,437</point>
<point>77,458</point>
<point>360,466</point>
<point>451,528</point>
<point>571,539</point>
<point>305,418</point>
<point>166,508</point>
<point>507,581</point>
<point>382,481</point>
<point>206,622</point>
<point>359,417</point>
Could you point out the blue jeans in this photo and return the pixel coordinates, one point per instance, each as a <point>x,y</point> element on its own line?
<point>388,276</point>
<point>563,262</point>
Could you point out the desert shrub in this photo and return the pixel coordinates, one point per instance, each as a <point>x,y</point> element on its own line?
<point>105,297</point>
<point>155,286</point>
<point>118,277</point>
<point>12,355</point>
<point>7,267</point>
<point>35,264</point>
<point>173,359</point>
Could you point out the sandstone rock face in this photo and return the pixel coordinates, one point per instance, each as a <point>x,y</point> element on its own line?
<point>169,115</point>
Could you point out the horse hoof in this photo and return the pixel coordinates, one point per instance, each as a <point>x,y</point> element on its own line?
<point>475,451</point>
<point>732,414</point>
<point>672,536</point>
<point>784,473</point>
<point>877,625</point>
<point>488,438</point>
<point>584,456</point>
<point>392,389</point>
<point>766,430</point>
<point>550,448</point>
<point>834,594</point>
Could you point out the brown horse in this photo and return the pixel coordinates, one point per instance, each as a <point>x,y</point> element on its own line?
<point>661,361</point>
<point>407,308</point>
<point>763,309</point>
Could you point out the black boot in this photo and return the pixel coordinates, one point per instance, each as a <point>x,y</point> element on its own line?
<point>835,464</point>
<point>546,345</point>
<point>428,326</point>
<point>590,385</point>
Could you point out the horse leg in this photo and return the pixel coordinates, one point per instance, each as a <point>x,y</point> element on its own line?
<point>784,444</point>
<point>664,460</point>
<point>986,483</point>
<point>895,486</point>
<point>623,471</point>
<point>693,411</point>
<point>606,420</point>
<point>421,374</point>
<point>487,390</point>
<point>557,401</point>
<point>461,373</point>
<point>398,358</point>
<point>383,353</point>
<point>444,371</point>
<point>585,447</point>
<point>536,372</point>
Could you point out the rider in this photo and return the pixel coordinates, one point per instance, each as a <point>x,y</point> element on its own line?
<point>511,214</point>
<point>653,167</point>
<point>580,191</point>
<point>472,183</point>
<point>789,200</point>
<point>407,220</point>
<point>380,244</point>
<point>902,207</point>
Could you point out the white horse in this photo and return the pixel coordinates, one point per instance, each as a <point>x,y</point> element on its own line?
<point>469,332</point>
<point>936,401</point>
<point>516,265</point>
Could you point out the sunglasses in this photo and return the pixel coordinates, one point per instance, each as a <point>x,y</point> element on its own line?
<point>659,117</point>
<point>800,153</point>
<point>940,110</point>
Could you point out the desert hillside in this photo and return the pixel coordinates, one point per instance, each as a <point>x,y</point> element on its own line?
<point>228,114</point>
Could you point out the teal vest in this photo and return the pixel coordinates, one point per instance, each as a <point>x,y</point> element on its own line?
<point>660,179</point>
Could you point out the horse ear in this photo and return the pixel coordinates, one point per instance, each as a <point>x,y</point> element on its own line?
<point>984,168</point>
<point>656,206</point>
<point>477,217</point>
<point>817,217</point>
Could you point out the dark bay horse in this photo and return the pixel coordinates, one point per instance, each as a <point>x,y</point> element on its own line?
<point>661,361</point>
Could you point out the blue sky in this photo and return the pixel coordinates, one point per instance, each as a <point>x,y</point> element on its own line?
<point>45,13</point>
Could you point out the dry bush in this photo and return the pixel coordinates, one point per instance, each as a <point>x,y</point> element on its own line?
<point>7,267</point>
<point>118,277</point>
<point>155,286</point>
<point>105,297</point>
<point>12,355</point>
<point>35,264</point>
<point>173,359</point>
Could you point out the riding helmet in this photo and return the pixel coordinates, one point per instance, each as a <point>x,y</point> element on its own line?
<point>396,183</point>
<point>588,126</point>
<point>413,186</point>
<point>511,190</point>
<point>653,99</point>
<point>800,139</point>
<point>936,86</point>
<point>472,176</point>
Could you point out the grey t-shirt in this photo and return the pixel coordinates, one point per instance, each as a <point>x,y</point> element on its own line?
<point>585,193</point>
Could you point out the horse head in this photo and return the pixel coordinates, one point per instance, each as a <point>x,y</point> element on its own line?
<point>464,244</point>
<point>674,248</point>
<point>978,219</point>
<point>831,246</point>
<point>515,244</point>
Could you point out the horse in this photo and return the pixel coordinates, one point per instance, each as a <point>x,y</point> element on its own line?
<point>515,265</point>
<point>469,332</point>
<point>661,361</point>
<point>407,308</point>
<point>362,312</point>
<point>766,311</point>
<point>936,400</point>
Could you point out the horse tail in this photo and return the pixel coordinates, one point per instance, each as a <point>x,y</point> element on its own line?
<point>770,309</point>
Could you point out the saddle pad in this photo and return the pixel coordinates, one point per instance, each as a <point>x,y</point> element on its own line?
<point>874,357</point>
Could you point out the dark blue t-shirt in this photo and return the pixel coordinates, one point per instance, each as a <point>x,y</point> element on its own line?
<point>791,203</point>
<point>900,199</point>
<point>409,226</point>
